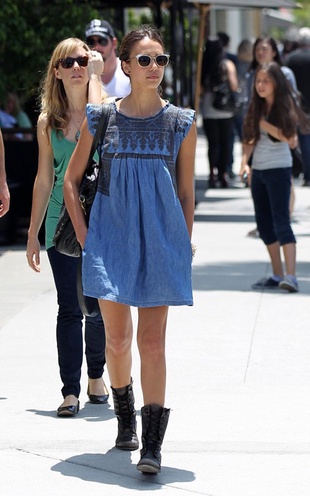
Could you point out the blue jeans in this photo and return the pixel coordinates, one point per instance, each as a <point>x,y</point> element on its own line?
<point>304,143</point>
<point>69,329</point>
<point>271,195</point>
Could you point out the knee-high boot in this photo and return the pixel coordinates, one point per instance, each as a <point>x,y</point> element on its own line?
<point>124,407</point>
<point>154,423</point>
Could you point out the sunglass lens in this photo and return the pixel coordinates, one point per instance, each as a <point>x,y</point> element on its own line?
<point>162,60</point>
<point>67,63</point>
<point>144,60</point>
<point>104,41</point>
<point>101,41</point>
<point>82,61</point>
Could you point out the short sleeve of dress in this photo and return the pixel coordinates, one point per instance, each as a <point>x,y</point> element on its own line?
<point>185,119</point>
<point>93,113</point>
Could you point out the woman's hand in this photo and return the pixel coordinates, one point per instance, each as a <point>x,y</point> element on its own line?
<point>293,141</point>
<point>95,64</point>
<point>33,253</point>
<point>4,198</point>
<point>277,133</point>
<point>245,173</point>
<point>81,237</point>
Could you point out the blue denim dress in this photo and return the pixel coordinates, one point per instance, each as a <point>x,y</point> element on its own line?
<point>137,249</point>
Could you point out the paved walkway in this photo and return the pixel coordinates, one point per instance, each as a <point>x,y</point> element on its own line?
<point>238,375</point>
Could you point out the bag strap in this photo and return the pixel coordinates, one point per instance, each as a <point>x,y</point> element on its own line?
<point>101,130</point>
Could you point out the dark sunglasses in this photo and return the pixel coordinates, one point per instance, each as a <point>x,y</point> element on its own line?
<point>100,41</point>
<point>68,62</point>
<point>160,60</point>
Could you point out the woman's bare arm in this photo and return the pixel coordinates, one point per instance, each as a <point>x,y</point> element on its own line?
<point>72,181</point>
<point>232,75</point>
<point>185,176</point>
<point>277,133</point>
<point>4,190</point>
<point>41,193</point>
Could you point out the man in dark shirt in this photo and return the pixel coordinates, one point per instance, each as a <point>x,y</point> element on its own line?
<point>299,62</point>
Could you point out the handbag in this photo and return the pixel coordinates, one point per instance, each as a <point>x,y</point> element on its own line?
<point>64,239</point>
<point>223,97</point>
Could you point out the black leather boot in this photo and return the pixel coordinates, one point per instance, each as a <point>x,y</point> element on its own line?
<point>154,423</point>
<point>124,407</point>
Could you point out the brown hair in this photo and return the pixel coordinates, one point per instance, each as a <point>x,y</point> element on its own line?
<point>285,112</point>
<point>136,35</point>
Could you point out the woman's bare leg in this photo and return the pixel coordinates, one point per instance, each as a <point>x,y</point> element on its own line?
<point>151,339</point>
<point>118,329</point>
<point>275,257</point>
<point>289,251</point>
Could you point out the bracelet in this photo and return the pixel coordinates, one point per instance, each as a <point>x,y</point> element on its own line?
<point>194,249</point>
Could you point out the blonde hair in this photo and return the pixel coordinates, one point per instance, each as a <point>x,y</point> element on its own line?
<point>53,97</point>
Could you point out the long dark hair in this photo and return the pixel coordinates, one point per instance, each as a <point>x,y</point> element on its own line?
<point>285,112</point>
<point>272,43</point>
<point>211,62</point>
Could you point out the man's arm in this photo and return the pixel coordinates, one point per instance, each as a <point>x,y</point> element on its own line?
<point>4,190</point>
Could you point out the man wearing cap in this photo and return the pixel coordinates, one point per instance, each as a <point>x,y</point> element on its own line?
<point>100,37</point>
<point>299,62</point>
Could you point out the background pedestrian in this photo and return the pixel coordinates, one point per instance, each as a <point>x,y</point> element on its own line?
<point>100,36</point>
<point>270,130</point>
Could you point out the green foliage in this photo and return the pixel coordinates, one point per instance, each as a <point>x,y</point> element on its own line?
<point>302,15</point>
<point>29,32</point>
<point>135,20</point>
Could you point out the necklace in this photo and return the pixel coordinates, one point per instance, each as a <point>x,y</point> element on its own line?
<point>78,133</point>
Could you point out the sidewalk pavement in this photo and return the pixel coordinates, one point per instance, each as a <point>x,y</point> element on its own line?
<point>238,375</point>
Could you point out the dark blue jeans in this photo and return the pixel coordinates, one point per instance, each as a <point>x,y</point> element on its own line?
<point>69,329</point>
<point>271,195</point>
<point>304,143</point>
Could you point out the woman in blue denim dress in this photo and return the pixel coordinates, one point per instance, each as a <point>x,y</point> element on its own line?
<point>137,251</point>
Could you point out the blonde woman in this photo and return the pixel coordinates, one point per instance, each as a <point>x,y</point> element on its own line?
<point>72,80</point>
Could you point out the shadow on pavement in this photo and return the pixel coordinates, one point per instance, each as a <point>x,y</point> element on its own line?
<point>240,276</point>
<point>223,218</point>
<point>89,412</point>
<point>116,467</point>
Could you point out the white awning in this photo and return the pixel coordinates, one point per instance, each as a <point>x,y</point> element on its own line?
<point>248,4</point>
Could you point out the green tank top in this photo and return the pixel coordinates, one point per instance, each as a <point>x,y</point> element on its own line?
<point>62,149</point>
